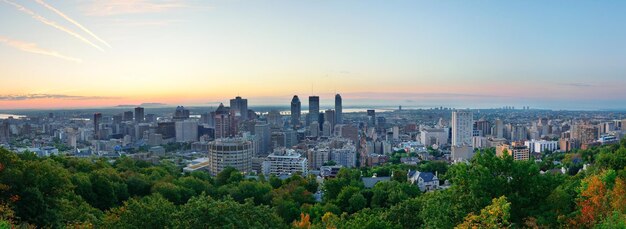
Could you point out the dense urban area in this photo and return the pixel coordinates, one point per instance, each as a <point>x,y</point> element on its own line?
<point>237,166</point>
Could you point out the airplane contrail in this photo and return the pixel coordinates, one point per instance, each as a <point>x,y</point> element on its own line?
<point>41,2</point>
<point>33,48</point>
<point>52,23</point>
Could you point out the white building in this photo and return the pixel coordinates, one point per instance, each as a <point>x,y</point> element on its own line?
<point>345,156</point>
<point>541,146</point>
<point>462,153</point>
<point>430,137</point>
<point>285,162</point>
<point>462,127</point>
<point>186,131</point>
<point>426,181</point>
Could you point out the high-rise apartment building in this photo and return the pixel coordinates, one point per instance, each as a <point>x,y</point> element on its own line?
<point>462,127</point>
<point>224,122</point>
<point>230,152</point>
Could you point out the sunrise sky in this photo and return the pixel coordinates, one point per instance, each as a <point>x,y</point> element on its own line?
<point>95,53</point>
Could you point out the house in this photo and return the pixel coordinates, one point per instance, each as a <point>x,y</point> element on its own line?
<point>426,181</point>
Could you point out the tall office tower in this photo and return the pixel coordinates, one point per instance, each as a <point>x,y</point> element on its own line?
<point>329,116</point>
<point>224,123</point>
<point>97,119</point>
<point>239,107</point>
<point>371,117</point>
<point>117,119</point>
<point>150,118</point>
<point>314,109</point>
<point>128,116</point>
<point>139,116</point>
<point>166,129</point>
<point>181,113</point>
<point>275,119</point>
<point>296,111</point>
<point>186,131</point>
<point>338,110</point>
<point>263,135</point>
<point>462,127</point>
<point>230,152</point>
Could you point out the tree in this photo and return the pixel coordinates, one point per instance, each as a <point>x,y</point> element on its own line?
<point>592,202</point>
<point>152,211</point>
<point>304,222</point>
<point>205,212</point>
<point>406,214</point>
<point>367,219</point>
<point>357,202</point>
<point>496,215</point>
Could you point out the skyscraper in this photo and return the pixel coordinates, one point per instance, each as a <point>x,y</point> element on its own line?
<point>314,109</point>
<point>240,108</point>
<point>181,113</point>
<point>371,117</point>
<point>263,134</point>
<point>223,122</point>
<point>186,131</point>
<point>462,127</point>
<point>139,116</point>
<point>97,119</point>
<point>128,116</point>
<point>329,116</point>
<point>296,111</point>
<point>338,110</point>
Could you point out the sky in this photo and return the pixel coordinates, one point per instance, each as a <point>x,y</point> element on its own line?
<point>566,54</point>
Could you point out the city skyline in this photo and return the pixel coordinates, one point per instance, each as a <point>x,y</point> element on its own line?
<point>87,54</point>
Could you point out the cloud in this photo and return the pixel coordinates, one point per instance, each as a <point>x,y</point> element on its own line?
<point>578,85</point>
<point>52,23</point>
<point>409,95</point>
<point>41,2</point>
<point>49,96</point>
<point>115,7</point>
<point>33,48</point>
<point>142,23</point>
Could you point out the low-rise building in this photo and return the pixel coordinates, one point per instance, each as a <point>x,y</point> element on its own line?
<point>285,161</point>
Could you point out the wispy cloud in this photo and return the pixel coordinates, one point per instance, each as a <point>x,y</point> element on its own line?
<point>52,23</point>
<point>115,7</point>
<point>578,85</point>
<point>49,96</point>
<point>63,15</point>
<point>409,95</point>
<point>33,48</point>
<point>143,23</point>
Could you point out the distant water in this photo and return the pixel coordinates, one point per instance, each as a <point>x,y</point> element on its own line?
<point>6,116</point>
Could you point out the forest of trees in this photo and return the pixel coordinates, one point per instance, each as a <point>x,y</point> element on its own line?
<point>488,192</point>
